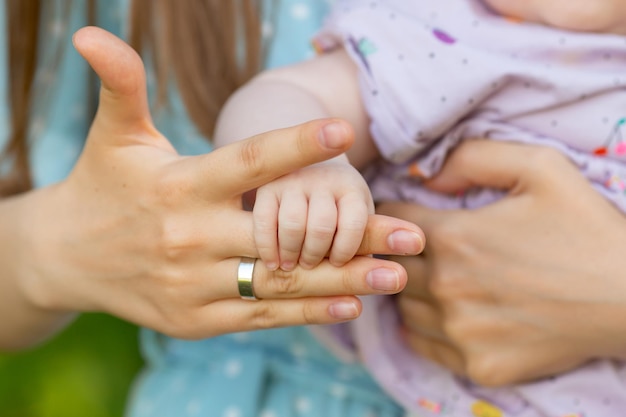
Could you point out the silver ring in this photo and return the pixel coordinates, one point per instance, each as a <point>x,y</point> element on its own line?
<point>244,278</point>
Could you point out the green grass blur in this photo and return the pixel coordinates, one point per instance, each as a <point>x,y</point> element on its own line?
<point>86,371</point>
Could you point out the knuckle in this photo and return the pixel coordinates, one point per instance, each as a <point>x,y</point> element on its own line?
<point>292,225</point>
<point>541,158</point>
<point>289,252</point>
<point>303,135</point>
<point>310,258</point>
<point>465,154</point>
<point>451,290</point>
<point>449,233</point>
<point>264,316</point>
<point>354,225</point>
<point>349,282</point>
<point>457,330</point>
<point>308,314</point>
<point>290,241</point>
<point>266,252</point>
<point>171,188</point>
<point>177,329</point>
<point>454,237</point>
<point>176,323</point>
<point>321,232</point>
<point>175,240</point>
<point>440,287</point>
<point>265,224</point>
<point>485,370</point>
<point>341,255</point>
<point>250,157</point>
<point>285,284</point>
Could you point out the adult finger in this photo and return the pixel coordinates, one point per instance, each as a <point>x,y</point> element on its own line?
<point>485,163</point>
<point>417,270</point>
<point>361,276</point>
<point>245,315</point>
<point>250,163</point>
<point>422,318</point>
<point>123,98</point>
<point>386,235</point>
<point>437,351</point>
<point>412,213</point>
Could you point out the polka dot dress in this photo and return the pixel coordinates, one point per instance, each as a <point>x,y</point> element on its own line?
<point>282,372</point>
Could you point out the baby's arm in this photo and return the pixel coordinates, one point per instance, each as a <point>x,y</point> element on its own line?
<point>322,198</point>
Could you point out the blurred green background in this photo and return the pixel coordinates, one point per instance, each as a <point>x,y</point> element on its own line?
<point>86,371</point>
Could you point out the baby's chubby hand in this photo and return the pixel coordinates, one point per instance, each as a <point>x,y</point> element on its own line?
<point>317,211</point>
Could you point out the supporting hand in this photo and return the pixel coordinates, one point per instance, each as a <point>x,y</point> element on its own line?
<point>525,287</point>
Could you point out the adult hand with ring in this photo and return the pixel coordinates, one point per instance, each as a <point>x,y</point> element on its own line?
<point>155,238</point>
<point>364,275</point>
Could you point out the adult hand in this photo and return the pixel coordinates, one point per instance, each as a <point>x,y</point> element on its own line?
<point>155,238</point>
<point>526,287</point>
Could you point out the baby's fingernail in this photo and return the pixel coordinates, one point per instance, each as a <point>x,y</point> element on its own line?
<point>333,135</point>
<point>405,242</point>
<point>383,279</point>
<point>343,310</point>
<point>272,266</point>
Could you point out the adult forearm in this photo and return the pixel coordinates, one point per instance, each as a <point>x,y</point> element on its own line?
<point>26,321</point>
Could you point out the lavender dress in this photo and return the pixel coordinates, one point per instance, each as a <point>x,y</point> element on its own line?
<point>434,73</point>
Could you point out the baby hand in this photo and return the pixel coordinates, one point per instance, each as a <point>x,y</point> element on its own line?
<point>300,217</point>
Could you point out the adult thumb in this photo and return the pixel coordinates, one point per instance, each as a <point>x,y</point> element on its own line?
<point>123,99</point>
<point>483,163</point>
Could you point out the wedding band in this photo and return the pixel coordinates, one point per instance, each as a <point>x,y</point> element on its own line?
<point>244,278</point>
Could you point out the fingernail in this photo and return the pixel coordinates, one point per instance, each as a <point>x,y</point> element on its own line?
<point>271,266</point>
<point>333,135</point>
<point>343,310</point>
<point>383,279</point>
<point>405,242</point>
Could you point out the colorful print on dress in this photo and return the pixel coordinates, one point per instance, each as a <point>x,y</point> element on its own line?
<point>363,47</point>
<point>443,36</point>
<point>616,183</point>
<point>432,406</point>
<point>485,409</point>
<point>614,143</point>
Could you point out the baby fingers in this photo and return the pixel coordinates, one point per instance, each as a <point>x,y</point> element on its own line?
<point>320,229</point>
<point>265,215</point>
<point>353,214</point>
<point>292,217</point>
